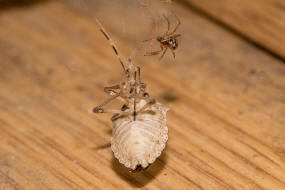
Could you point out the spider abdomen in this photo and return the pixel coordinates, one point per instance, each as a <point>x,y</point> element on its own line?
<point>138,143</point>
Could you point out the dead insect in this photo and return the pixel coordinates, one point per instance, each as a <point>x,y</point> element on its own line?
<point>167,40</point>
<point>139,132</point>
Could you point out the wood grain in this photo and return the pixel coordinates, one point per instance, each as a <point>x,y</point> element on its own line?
<point>227,100</point>
<point>261,22</point>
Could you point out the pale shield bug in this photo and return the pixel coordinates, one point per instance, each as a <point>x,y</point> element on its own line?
<point>139,133</point>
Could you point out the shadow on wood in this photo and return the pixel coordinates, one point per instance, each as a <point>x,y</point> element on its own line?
<point>168,97</point>
<point>8,4</point>
<point>140,179</point>
<point>104,146</point>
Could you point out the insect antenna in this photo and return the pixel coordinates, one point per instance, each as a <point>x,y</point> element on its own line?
<point>112,43</point>
<point>83,5</point>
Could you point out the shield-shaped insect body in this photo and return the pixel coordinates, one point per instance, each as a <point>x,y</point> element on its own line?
<point>139,127</point>
<point>137,144</point>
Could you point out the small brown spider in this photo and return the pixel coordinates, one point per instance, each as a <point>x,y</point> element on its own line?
<point>167,40</point>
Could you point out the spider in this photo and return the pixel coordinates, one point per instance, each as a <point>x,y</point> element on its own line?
<point>167,40</point>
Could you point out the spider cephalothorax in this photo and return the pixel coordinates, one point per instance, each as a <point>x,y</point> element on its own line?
<point>170,42</point>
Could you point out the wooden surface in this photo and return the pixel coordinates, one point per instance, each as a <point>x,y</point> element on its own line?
<point>261,22</point>
<point>227,100</point>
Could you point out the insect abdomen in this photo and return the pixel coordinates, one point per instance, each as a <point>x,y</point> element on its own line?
<point>138,143</point>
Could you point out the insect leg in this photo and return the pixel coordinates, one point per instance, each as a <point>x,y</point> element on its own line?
<point>112,43</point>
<point>110,90</point>
<point>149,102</point>
<point>116,116</point>
<point>99,108</point>
<point>139,73</point>
<point>135,96</point>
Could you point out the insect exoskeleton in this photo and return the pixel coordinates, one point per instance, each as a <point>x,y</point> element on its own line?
<point>137,143</point>
<point>139,127</point>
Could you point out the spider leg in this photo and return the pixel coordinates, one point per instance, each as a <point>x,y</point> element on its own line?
<point>112,43</point>
<point>175,35</point>
<point>173,53</point>
<point>154,52</point>
<point>150,44</point>
<point>163,53</point>
<point>178,24</point>
<point>148,39</point>
<point>168,25</point>
<point>153,27</point>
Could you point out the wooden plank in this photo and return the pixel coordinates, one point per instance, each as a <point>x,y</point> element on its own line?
<point>259,21</point>
<point>227,110</point>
